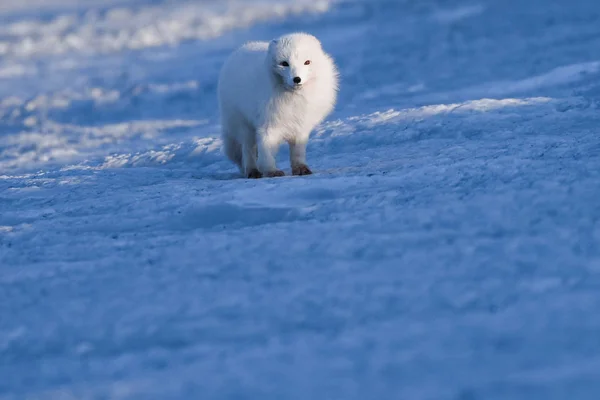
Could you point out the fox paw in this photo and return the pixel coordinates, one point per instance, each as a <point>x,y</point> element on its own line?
<point>301,169</point>
<point>274,174</point>
<point>254,174</point>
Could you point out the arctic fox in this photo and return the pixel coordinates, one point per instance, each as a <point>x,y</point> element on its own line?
<point>274,92</point>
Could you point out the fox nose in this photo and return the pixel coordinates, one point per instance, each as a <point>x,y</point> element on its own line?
<point>297,80</point>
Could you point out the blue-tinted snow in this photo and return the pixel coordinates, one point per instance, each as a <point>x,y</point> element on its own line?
<point>448,246</point>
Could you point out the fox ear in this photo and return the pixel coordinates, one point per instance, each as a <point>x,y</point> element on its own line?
<point>272,45</point>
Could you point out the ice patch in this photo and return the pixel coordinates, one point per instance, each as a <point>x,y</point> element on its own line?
<point>60,143</point>
<point>15,110</point>
<point>457,14</point>
<point>120,28</point>
<point>8,7</point>
<point>201,149</point>
<point>419,113</point>
<point>232,215</point>
<point>393,90</point>
<point>15,70</point>
<point>556,77</point>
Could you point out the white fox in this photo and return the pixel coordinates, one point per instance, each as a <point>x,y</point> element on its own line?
<point>274,92</point>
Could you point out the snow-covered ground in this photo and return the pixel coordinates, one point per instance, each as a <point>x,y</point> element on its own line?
<point>448,246</point>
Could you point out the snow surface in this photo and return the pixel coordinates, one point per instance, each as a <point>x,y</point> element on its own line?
<point>448,246</point>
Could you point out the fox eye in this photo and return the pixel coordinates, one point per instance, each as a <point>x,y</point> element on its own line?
<point>307,62</point>
<point>284,64</point>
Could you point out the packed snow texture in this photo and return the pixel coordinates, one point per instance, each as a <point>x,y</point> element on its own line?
<point>447,247</point>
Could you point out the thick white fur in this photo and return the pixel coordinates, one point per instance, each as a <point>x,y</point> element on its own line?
<point>261,106</point>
